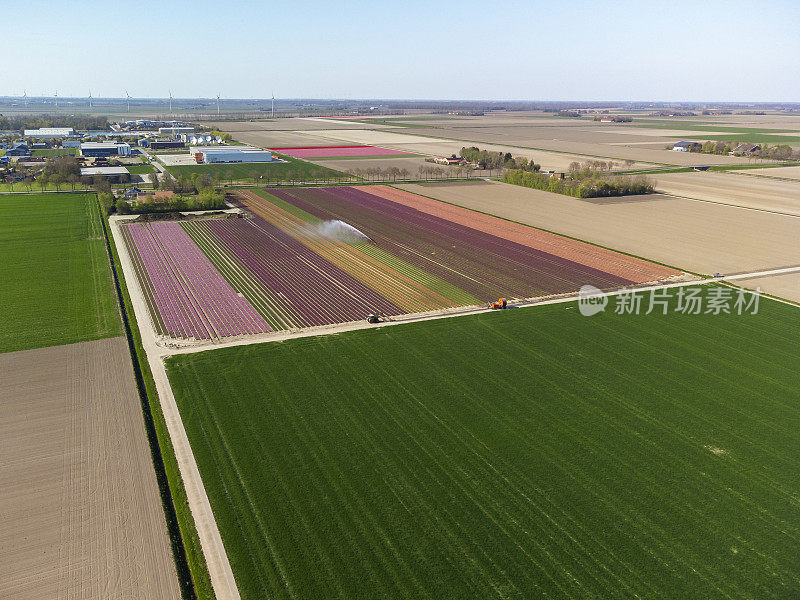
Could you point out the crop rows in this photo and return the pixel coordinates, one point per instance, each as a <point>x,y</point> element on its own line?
<point>407,286</point>
<point>297,286</point>
<point>483,265</point>
<point>186,295</point>
<point>604,259</point>
<point>660,464</point>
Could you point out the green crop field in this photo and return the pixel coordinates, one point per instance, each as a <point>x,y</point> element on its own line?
<point>524,454</point>
<point>301,169</point>
<point>56,279</point>
<point>140,169</point>
<point>53,152</point>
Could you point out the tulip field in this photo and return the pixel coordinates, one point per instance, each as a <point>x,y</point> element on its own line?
<point>187,296</point>
<point>309,257</point>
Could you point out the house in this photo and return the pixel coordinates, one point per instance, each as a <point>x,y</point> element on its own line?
<point>687,147</point>
<point>19,149</point>
<point>449,160</point>
<point>747,149</point>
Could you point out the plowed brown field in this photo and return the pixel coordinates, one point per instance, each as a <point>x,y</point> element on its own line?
<point>80,507</point>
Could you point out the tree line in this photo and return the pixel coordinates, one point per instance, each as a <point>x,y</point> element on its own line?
<point>20,122</point>
<point>776,152</point>
<point>486,159</point>
<point>583,181</point>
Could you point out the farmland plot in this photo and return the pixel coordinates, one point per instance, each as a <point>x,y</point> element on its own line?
<point>70,299</point>
<point>549,455</point>
<point>484,265</point>
<point>186,295</point>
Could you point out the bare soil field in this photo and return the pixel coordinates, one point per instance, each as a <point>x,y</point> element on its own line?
<point>412,163</point>
<point>734,188</point>
<point>781,172</point>
<point>784,286</point>
<point>576,141</point>
<point>700,236</point>
<point>82,516</point>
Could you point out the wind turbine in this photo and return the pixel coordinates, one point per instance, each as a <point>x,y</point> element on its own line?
<point>170,102</point>
<point>273,105</point>
<point>128,97</point>
<point>217,104</point>
<point>90,98</point>
<point>25,97</point>
<point>56,99</point>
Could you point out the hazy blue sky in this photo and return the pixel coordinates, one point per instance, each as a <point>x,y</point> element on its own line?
<point>624,50</point>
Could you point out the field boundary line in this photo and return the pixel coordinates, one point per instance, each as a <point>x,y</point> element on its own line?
<point>217,562</point>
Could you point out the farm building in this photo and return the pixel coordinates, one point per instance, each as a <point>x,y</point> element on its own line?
<point>175,131</point>
<point>105,149</point>
<point>163,144</point>
<point>746,149</point>
<point>114,174</point>
<point>71,144</point>
<point>40,145</point>
<point>687,146</point>
<point>50,132</point>
<point>18,149</point>
<point>231,154</point>
<point>449,160</point>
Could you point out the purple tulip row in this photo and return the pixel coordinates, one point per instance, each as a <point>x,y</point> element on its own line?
<point>309,290</point>
<point>485,265</point>
<point>192,298</point>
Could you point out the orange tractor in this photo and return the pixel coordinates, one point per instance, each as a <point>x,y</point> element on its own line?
<point>500,304</point>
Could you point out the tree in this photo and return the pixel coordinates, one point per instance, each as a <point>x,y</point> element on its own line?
<point>404,173</point>
<point>73,180</point>
<point>154,179</point>
<point>229,176</point>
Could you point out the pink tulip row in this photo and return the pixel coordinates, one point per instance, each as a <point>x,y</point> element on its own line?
<point>191,297</point>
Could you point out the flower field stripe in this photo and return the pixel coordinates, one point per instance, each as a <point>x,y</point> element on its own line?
<point>337,151</point>
<point>428,280</point>
<point>609,261</point>
<point>320,292</point>
<point>485,265</point>
<point>147,285</point>
<point>404,291</point>
<point>180,318</point>
<point>276,312</point>
<point>192,298</point>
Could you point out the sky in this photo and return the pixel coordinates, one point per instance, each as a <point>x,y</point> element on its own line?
<point>681,50</point>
